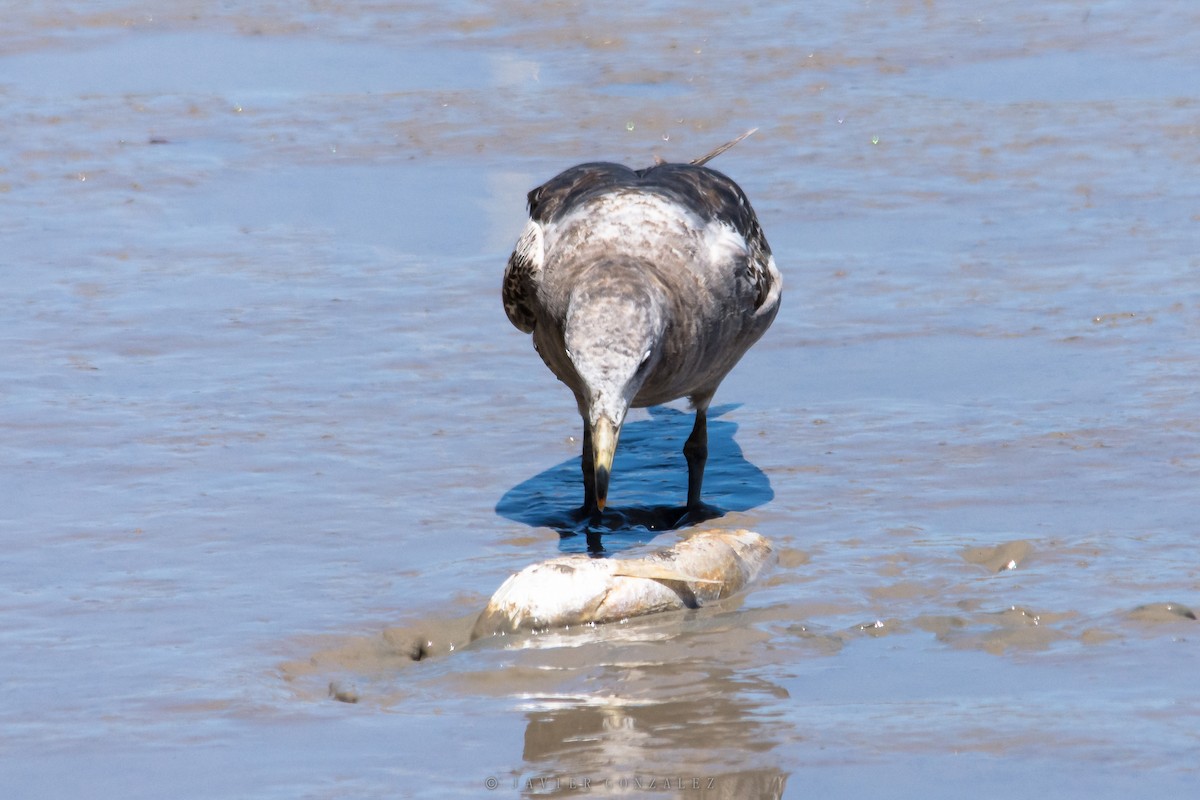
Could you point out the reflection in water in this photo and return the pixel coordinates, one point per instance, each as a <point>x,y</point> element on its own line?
<point>649,484</point>
<point>641,742</point>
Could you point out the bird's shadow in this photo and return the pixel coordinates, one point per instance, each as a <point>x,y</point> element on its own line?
<point>649,485</point>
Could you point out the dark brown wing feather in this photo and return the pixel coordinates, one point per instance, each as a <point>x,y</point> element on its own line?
<point>520,290</point>
<point>571,187</point>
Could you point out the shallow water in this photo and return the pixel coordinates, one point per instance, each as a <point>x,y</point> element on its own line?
<point>265,425</point>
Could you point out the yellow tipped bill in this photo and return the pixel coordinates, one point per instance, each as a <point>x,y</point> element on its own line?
<point>604,445</point>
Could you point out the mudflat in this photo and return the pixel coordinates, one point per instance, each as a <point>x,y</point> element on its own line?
<point>264,422</point>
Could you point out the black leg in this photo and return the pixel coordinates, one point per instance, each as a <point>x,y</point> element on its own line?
<point>695,450</point>
<point>589,474</point>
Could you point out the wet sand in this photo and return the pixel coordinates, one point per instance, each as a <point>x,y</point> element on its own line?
<point>266,428</point>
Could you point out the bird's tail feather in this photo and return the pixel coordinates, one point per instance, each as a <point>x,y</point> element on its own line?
<point>704,159</point>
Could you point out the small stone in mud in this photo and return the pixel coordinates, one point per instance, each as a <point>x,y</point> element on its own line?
<point>1001,557</point>
<point>342,694</point>
<point>1017,617</point>
<point>406,642</point>
<point>941,625</point>
<point>1162,612</point>
<point>875,628</point>
<point>791,558</point>
<point>1096,636</point>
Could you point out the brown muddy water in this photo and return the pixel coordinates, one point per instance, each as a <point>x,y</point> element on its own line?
<point>264,423</point>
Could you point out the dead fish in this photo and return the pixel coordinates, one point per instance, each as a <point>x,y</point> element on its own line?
<point>580,590</point>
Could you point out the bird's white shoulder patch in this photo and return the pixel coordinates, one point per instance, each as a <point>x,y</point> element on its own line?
<point>531,247</point>
<point>723,243</point>
<point>521,277</point>
<point>770,303</point>
<point>631,221</point>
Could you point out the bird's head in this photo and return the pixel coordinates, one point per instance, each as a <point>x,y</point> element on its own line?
<point>613,335</point>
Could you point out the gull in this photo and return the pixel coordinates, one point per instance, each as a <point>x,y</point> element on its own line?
<point>640,287</point>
